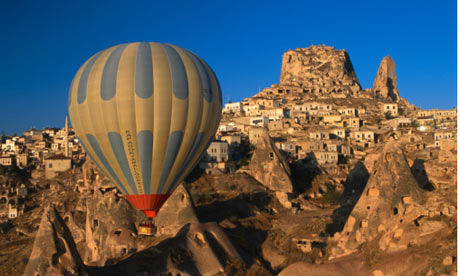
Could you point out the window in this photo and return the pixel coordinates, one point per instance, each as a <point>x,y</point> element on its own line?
<point>50,166</point>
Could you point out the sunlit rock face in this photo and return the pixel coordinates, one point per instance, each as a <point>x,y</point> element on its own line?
<point>177,211</point>
<point>318,67</point>
<point>385,81</point>
<point>269,167</point>
<point>197,249</point>
<point>389,205</point>
<point>106,213</point>
<point>54,251</point>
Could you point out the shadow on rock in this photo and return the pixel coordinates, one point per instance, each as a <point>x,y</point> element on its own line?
<point>304,173</point>
<point>353,188</point>
<point>419,172</point>
<point>242,206</point>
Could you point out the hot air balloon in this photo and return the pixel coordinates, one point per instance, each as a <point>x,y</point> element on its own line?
<point>145,114</point>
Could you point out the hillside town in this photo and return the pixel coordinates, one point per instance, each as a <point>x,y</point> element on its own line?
<point>298,176</point>
<point>318,112</point>
<point>40,154</point>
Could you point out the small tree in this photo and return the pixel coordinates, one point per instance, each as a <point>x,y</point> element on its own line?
<point>388,115</point>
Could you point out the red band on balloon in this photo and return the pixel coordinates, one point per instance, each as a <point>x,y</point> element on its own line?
<point>149,204</point>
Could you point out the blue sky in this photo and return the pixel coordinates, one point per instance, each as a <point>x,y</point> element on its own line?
<point>45,42</point>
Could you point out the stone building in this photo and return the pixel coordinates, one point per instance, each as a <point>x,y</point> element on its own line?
<point>218,151</point>
<point>233,107</point>
<point>326,157</point>
<point>331,119</point>
<point>232,140</point>
<point>363,135</point>
<point>55,164</point>
<point>391,108</point>
<point>338,133</point>
<point>347,111</point>
<point>254,134</point>
<point>397,123</point>
<point>7,161</point>
<point>352,122</point>
<point>318,135</point>
<point>22,160</point>
<point>438,114</point>
<point>259,121</point>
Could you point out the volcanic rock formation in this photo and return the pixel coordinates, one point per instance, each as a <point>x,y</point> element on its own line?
<point>108,216</point>
<point>175,213</point>
<point>198,249</point>
<point>319,66</point>
<point>388,206</point>
<point>54,251</point>
<point>269,167</point>
<point>385,81</point>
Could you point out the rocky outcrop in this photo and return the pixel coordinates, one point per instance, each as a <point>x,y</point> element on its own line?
<point>385,81</point>
<point>389,205</point>
<point>269,167</point>
<point>396,264</point>
<point>197,249</point>
<point>54,251</point>
<point>340,269</point>
<point>319,67</point>
<point>108,213</point>
<point>177,211</point>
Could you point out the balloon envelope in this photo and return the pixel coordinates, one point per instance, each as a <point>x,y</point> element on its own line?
<point>145,114</point>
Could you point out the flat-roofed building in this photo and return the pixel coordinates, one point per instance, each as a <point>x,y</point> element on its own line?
<point>391,108</point>
<point>254,134</point>
<point>232,140</point>
<point>7,161</point>
<point>330,119</point>
<point>218,151</point>
<point>56,164</point>
<point>318,135</point>
<point>233,107</point>
<point>338,133</point>
<point>259,121</point>
<point>326,157</point>
<point>347,111</point>
<point>438,114</point>
<point>363,135</point>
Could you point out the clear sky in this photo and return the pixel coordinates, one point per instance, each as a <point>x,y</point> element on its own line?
<point>43,43</point>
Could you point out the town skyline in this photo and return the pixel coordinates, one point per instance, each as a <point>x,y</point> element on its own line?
<point>244,46</point>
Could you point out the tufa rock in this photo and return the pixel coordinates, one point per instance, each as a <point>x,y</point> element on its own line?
<point>197,249</point>
<point>330,269</point>
<point>390,200</point>
<point>177,211</point>
<point>385,81</point>
<point>273,256</point>
<point>54,251</point>
<point>106,213</point>
<point>319,66</point>
<point>269,167</point>
<point>119,243</point>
